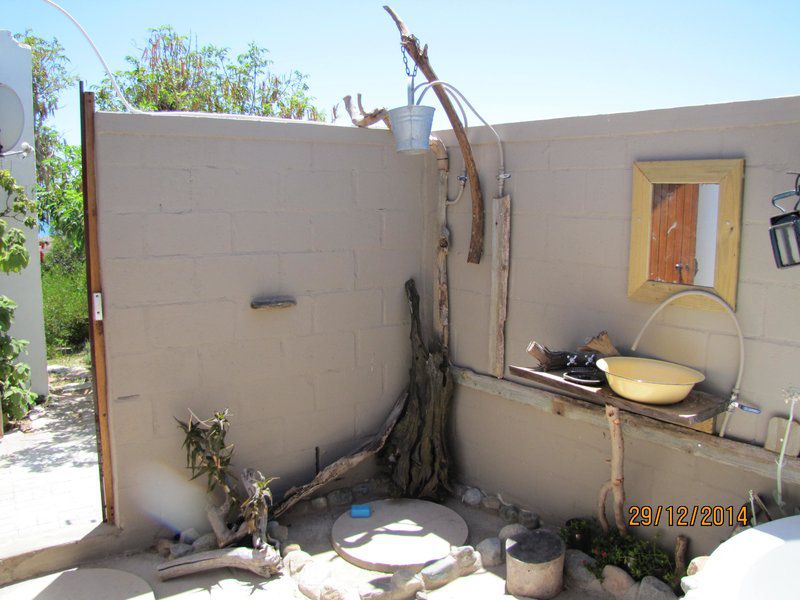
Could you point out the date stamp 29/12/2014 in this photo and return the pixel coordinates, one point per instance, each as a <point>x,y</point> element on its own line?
<point>687,516</point>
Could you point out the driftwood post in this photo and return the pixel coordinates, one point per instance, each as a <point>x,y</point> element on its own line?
<point>615,484</point>
<point>501,241</point>
<point>420,57</point>
<point>417,448</point>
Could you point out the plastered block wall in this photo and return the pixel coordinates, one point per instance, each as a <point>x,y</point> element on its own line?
<point>197,217</point>
<point>571,195</point>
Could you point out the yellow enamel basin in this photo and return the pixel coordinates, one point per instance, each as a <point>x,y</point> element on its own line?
<point>649,381</point>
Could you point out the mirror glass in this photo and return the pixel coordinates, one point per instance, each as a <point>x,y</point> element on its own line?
<point>685,229</point>
<point>683,233</point>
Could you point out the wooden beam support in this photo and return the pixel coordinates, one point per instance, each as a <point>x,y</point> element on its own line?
<point>730,453</point>
<point>94,286</point>
<point>420,57</point>
<point>498,308</point>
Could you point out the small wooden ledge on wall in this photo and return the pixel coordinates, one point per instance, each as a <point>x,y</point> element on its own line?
<point>274,303</point>
<point>732,453</point>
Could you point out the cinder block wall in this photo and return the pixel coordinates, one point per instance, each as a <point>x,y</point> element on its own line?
<point>571,194</point>
<point>199,215</point>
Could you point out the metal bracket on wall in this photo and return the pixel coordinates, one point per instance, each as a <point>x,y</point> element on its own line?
<point>272,303</point>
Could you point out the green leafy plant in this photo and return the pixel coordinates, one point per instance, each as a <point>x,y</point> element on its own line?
<point>172,74</point>
<point>66,315</point>
<point>16,397</point>
<point>639,557</point>
<point>61,200</point>
<point>207,454</point>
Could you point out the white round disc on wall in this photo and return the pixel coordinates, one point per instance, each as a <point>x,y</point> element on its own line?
<point>12,118</point>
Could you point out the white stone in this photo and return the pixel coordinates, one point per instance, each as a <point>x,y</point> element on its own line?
<point>277,531</point>
<point>509,531</point>
<point>652,588</point>
<point>311,579</point>
<point>491,551</point>
<point>177,550</point>
<point>205,542</point>
<point>337,590</point>
<point>296,561</point>
<point>616,581</point>
<point>576,575</point>
<point>472,496</point>
<point>188,536</point>
<point>491,503</point>
<point>528,518</point>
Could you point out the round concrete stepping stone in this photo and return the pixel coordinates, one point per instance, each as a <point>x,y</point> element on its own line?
<point>400,534</point>
<point>80,584</point>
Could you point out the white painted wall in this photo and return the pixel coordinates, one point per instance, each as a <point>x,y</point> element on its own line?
<point>24,288</point>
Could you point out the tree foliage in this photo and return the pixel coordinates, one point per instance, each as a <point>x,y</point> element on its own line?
<point>172,74</point>
<point>61,201</point>
<point>15,394</point>
<point>51,77</point>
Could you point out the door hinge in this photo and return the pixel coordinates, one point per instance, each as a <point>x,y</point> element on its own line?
<point>97,306</point>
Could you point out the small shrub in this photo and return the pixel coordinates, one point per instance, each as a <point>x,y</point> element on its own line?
<point>66,314</point>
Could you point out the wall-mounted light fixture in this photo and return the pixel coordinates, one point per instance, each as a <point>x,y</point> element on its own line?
<point>784,230</point>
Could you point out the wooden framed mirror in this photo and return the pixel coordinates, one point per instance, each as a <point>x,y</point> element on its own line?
<point>685,230</point>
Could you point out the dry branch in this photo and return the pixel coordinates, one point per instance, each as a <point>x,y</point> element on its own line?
<point>616,483</point>
<point>344,464</point>
<point>681,546</point>
<point>362,119</point>
<point>264,562</point>
<point>420,57</point>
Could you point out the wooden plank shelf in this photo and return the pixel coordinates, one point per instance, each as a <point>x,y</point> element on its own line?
<point>696,408</point>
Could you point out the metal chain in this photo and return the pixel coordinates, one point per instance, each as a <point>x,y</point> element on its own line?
<point>405,59</point>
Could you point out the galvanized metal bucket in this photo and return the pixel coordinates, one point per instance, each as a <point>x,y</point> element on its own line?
<point>411,126</point>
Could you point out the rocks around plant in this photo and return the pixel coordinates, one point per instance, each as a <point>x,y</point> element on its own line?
<point>509,513</point>
<point>652,588</point>
<point>490,503</point>
<point>163,547</point>
<point>461,561</point>
<point>576,572</point>
<point>188,536</point>
<point>616,581</point>
<point>288,547</point>
<point>312,578</point>
<point>472,497</point>
<point>491,551</point>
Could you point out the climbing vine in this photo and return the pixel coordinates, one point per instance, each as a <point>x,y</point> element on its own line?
<point>15,393</point>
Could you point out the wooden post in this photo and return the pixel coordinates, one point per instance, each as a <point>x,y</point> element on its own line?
<point>615,484</point>
<point>94,286</point>
<point>501,240</point>
<point>420,57</point>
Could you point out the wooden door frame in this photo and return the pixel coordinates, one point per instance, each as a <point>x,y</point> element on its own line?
<point>94,286</point>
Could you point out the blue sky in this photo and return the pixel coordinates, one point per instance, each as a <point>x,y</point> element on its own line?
<point>514,60</point>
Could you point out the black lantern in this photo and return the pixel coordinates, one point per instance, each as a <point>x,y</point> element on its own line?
<point>784,230</point>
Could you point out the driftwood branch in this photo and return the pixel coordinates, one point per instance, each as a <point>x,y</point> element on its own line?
<point>616,483</point>
<point>344,464</point>
<point>600,343</point>
<point>217,518</point>
<point>364,119</point>
<point>501,241</point>
<point>681,546</point>
<point>420,57</point>
<point>418,447</point>
<point>264,562</point>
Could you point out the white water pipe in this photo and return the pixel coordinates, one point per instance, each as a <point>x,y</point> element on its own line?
<point>455,93</point>
<point>733,401</point>
<point>99,56</point>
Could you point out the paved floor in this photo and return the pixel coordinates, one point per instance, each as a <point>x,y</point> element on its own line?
<point>49,476</point>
